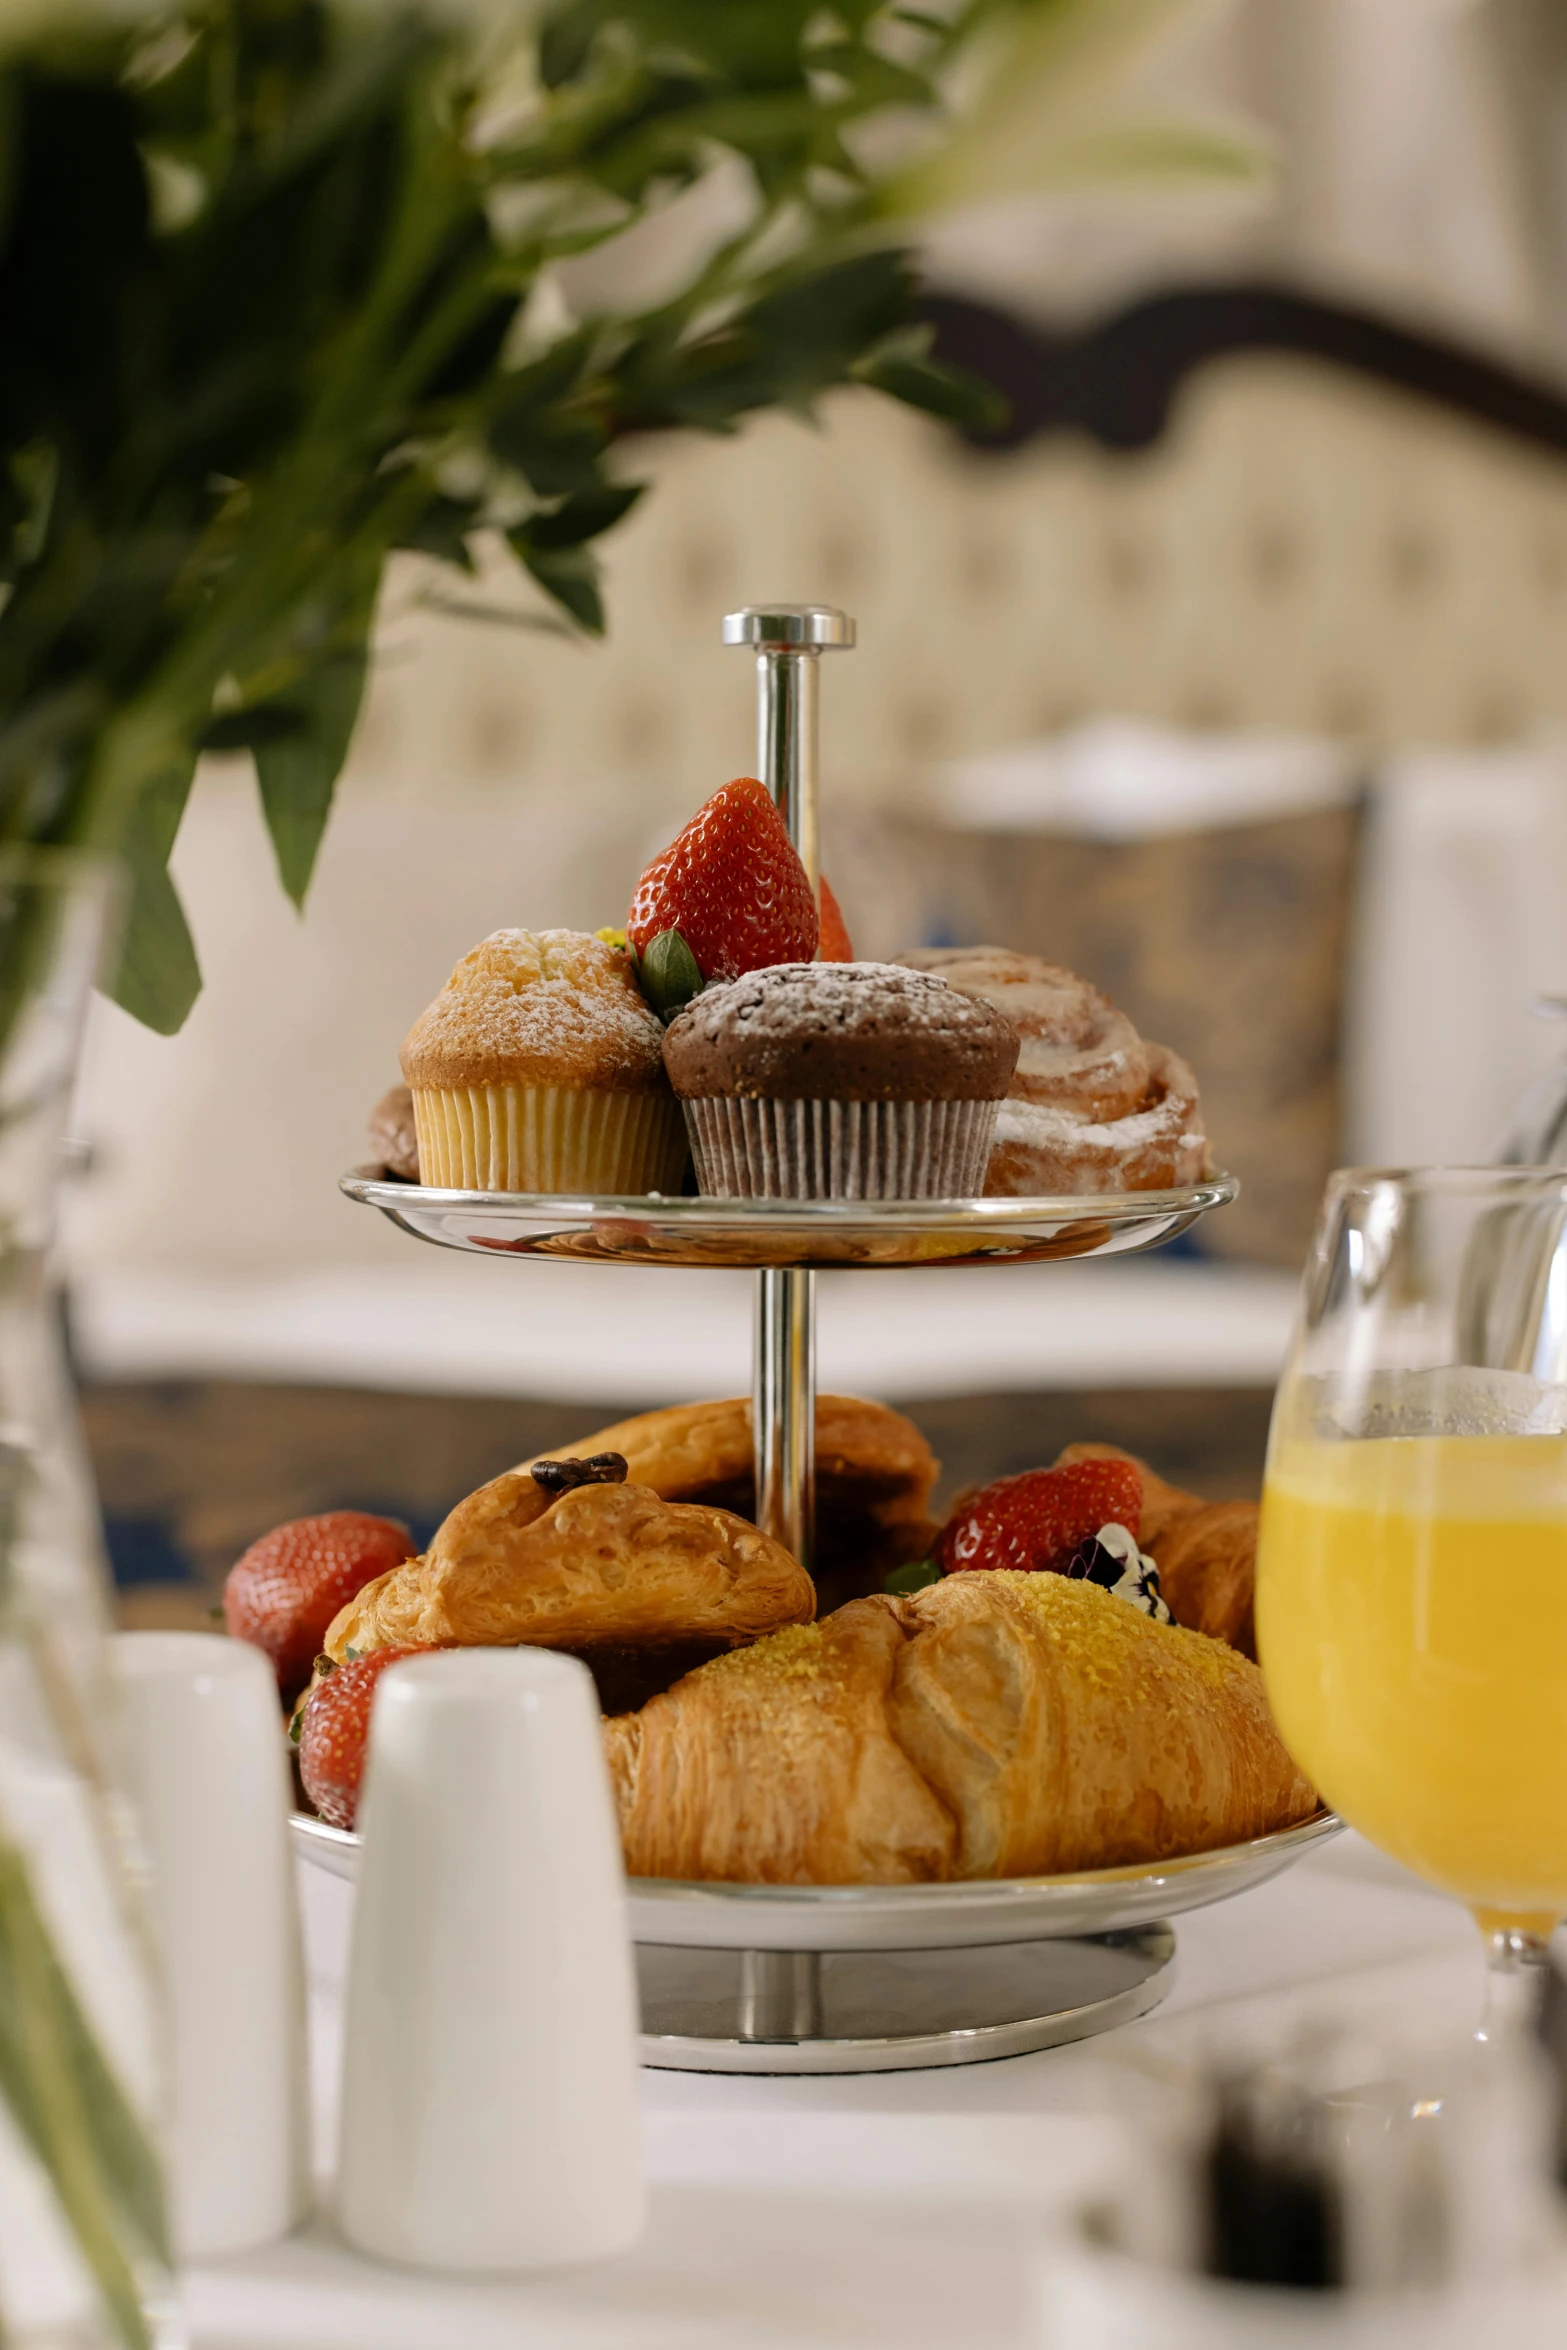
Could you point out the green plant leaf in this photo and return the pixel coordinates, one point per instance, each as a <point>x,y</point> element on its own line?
<point>569,574</point>
<point>159,977</point>
<point>793,341</point>
<point>1050,116</point>
<point>248,730</point>
<point>72,2112</point>
<point>907,373</point>
<point>1162,149</point>
<point>211,418</point>
<point>585,516</point>
<point>298,771</point>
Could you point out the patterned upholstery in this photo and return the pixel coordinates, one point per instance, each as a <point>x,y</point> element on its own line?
<point>1303,551</point>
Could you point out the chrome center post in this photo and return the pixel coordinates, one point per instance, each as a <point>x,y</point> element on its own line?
<point>788,640</point>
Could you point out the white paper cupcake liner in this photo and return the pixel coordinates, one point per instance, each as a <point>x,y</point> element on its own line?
<point>839,1150</point>
<point>548,1138</point>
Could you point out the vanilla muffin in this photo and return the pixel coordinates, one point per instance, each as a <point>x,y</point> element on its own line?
<point>539,1068</point>
<point>840,1081</point>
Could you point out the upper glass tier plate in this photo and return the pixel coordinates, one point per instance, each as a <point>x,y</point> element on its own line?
<point>651,1230</point>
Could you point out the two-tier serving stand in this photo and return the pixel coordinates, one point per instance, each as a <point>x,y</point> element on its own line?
<point>809,1978</point>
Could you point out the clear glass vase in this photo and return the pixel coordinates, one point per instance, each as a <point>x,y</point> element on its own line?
<point>83,2245</point>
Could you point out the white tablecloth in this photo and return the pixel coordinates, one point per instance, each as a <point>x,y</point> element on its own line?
<point>893,2208</point>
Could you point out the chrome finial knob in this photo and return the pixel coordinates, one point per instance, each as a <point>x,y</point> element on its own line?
<point>790,628</point>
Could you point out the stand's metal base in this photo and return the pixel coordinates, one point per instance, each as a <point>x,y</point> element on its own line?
<point>879,2011</point>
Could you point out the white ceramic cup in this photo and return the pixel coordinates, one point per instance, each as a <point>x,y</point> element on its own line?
<point>490,2115</point>
<point>206,1767</point>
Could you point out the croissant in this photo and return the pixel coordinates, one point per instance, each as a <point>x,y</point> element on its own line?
<point>1205,1551</point>
<point>640,1588</point>
<point>874,1478</point>
<point>992,1725</point>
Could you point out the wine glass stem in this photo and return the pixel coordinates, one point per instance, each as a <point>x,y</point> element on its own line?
<point>1514,1982</point>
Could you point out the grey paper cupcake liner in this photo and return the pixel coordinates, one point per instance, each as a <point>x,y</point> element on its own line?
<point>839,1150</point>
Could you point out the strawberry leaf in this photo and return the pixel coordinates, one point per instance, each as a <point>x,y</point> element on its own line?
<point>918,1575</point>
<point>668,974</point>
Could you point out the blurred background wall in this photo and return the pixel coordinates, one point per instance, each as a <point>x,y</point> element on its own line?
<point>1328,860</point>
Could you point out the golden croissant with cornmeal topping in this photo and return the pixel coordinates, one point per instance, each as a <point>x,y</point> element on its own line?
<point>992,1725</point>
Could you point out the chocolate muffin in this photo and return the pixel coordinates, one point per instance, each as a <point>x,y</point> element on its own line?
<point>840,1081</point>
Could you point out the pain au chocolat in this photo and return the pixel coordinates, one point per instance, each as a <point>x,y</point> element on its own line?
<point>875,1474</point>
<point>589,1562</point>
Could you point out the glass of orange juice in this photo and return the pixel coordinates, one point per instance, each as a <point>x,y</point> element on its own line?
<point>1412,1564</point>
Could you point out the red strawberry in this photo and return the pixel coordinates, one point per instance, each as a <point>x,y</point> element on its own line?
<point>732,885</point>
<point>286,1589</point>
<point>1038,1520</point>
<point>834,947</point>
<point>335,1729</point>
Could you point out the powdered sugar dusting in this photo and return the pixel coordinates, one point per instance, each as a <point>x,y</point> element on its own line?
<point>849,999</point>
<point>1046,1126</point>
<point>1077,1048</point>
<point>538,1007</point>
<point>1044,1147</point>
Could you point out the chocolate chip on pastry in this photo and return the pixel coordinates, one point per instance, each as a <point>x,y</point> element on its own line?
<point>393,1139</point>
<point>875,1474</point>
<point>562,1475</point>
<point>993,1725</point>
<point>604,1568</point>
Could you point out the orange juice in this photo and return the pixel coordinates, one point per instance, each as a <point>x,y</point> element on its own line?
<point>1412,1627</point>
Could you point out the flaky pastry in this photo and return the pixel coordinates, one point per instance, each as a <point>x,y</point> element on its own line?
<point>993,1725</point>
<point>874,1477</point>
<point>611,1572</point>
<point>1093,1106</point>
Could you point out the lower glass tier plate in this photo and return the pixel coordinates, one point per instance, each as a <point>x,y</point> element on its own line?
<point>895,1978</point>
<point>789,1234</point>
<point>885,2011</point>
<point>678,1915</point>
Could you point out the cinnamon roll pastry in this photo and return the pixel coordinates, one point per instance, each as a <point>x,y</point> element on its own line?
<point>992,1725</point>
<point>393,1136</point>
<point>1092,1106</point>
<point>1205,1551</point>
<point>573,1555</point>
<point>874,1477</point>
